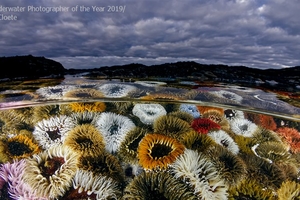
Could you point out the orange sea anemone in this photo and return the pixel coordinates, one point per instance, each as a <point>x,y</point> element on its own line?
<point>291,136</point>
<point>203,126</point>
<point>157,151</point>
<point>204,109</point>
<point>17,147</point>
<point>88,106</point>
<point>265,121</point>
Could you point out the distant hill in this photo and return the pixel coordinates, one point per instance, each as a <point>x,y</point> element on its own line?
<point>29,67</point>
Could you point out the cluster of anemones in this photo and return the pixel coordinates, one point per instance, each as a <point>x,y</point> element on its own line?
<point>96,152</point>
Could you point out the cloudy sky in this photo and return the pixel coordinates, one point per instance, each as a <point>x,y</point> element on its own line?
<point>254,33</point>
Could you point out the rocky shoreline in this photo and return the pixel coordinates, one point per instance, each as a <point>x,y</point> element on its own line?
<point>287,79</point>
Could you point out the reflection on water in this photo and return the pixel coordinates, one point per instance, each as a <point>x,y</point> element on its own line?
<point>146,139</point>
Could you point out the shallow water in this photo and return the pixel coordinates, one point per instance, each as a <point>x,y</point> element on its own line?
<point>126,139</point>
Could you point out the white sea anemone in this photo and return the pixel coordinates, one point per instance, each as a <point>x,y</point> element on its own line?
<point>228,95</point>
<point>222,138</point>
<point>50,173</point>
<point>114,128</point>
<point>148,113</point>
<point>52,131</point>
<point>116,90</point>
<point>101,186</point>
<point>199,172</point>
<point>55,92</point>
<point>243,127</point>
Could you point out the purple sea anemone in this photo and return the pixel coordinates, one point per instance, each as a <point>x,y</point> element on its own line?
<point>11,177</point>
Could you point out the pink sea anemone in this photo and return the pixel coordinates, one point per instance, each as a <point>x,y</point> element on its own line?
<point>11,180</point>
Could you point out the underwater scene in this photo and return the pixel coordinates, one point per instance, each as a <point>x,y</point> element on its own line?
<point>78,138</point>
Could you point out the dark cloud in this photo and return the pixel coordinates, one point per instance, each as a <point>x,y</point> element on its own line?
<point>262,34</point>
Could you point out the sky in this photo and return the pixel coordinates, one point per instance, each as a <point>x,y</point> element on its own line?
<point>254,33</point>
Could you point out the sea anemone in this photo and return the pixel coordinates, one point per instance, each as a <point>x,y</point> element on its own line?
<point>171,126</point>
<point>231,167</point>
<point>86,185</point>
<point>11,180</point>
<point>148,113</point>
<point>265,173</point>
<point>272,152</point>
<point>191,109</point>
<point>228,95</point>
<point>182,115</point>
<point>116,90</point>
<point>265,135</point>
<point>245,144</point>
<point>80,118</point>
<point>120,107</point>
<point>200,174</point>
<point>86,140</point>
<point>52,131</point>
<point>50,173</point>
<point>55,92</point>
<point>114,128</point>
<point>289,190</point>
<point>128,148</point>
<point>223,139</point>
<point>87,106</point>
<point>47,111</point>
<point>233,114</point>
<point>216,117</point>
<point>204,126</point>
<point>157,185</point>
<point>157,151</point>
<point>195,141</point>
<point>84,93</point>
<point>264,121</point>
<point>204,109</point>
<point>105,164</point>
<point>250,189</point>
<point>291,136</point>
<point>17,147</point>
<point>10,123</point>
<point>243,127</point>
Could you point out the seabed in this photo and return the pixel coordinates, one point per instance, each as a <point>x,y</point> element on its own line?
<point>80,138</point>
